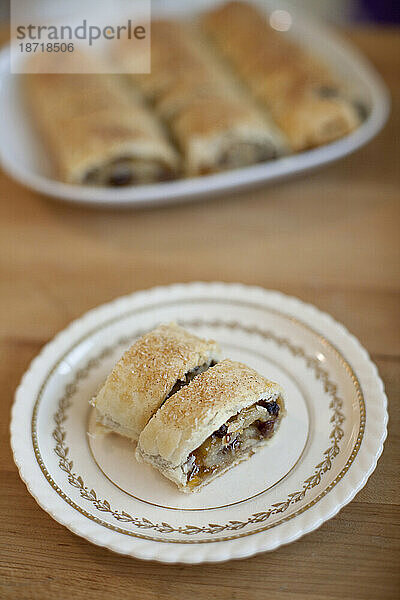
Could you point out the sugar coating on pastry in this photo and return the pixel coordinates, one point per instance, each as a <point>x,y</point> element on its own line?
<point>156,365</point>
<point>310,104</point>
<point>109,136</point>
<point>230,403</point>
<point>213,119</point>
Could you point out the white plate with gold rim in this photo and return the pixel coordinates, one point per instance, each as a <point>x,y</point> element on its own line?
<point>322,455</point>
<point>23,156</point>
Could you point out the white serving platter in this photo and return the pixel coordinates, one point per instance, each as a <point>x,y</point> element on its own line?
<point>325,450</point>
<point>23,157</point>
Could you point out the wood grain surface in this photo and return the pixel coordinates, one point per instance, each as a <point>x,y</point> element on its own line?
<point>330,238</point>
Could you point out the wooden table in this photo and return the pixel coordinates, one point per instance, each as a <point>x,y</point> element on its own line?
<point>331,238</point>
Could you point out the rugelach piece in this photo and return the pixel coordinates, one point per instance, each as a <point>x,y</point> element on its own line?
<point>149,373</point>
<point>308,103</point>
<point>221,418</point>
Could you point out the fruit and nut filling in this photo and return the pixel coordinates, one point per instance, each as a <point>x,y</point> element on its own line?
<point>189,376</point>
<point>128,171</point>
<point>244,153</point>
<point>235,437</point>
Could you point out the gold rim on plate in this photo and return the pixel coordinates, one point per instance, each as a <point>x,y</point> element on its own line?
<point>75,480</point>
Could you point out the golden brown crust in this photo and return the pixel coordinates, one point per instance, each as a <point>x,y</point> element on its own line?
<point>91,121</point>
<point>177,63</point>
<point>206,110</point>
<point>196,411</point>
<point>97,141</point>
<point>147,372</point>
<point>287,80</point>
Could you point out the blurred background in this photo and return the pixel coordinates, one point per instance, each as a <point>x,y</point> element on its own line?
<point>336,11</point>
<point>330,238</point>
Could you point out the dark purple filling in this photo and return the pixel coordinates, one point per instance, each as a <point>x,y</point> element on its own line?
<point>361,110</point>
<point>265,427</point>
<point>271,406</point>
<point>221,432</point>
<point>121,177</point>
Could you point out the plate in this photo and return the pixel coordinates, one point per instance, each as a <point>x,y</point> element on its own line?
<point>24,158</point>
<point>322,455</point>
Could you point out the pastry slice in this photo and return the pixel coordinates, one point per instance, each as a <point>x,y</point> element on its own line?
<point>214,122</point>
<point>221,418</point>
<point>307,101</point>
<point>149,373</point>
<point>97,130</point>
<point>118,147</point>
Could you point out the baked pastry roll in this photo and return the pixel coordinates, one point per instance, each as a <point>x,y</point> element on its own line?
<point>221,418</point>
<point>214,122</point>
<point>150,372</point>
<point>98,131</point>
<point>307,102</point>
